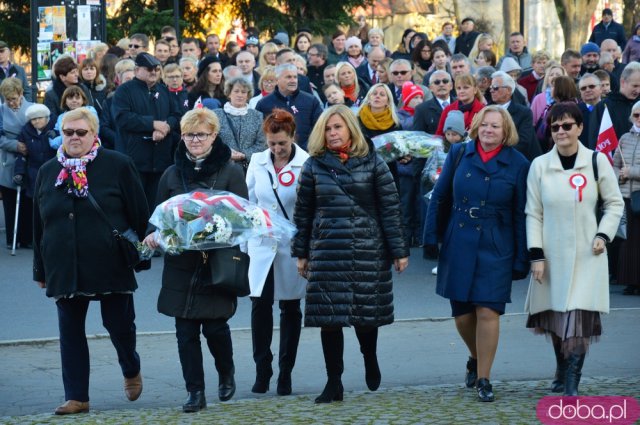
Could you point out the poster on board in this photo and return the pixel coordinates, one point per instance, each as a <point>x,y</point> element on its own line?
<point>45,17</point>
<point>44,60</point>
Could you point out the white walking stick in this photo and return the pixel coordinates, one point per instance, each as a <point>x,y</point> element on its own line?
<point>15,223</point>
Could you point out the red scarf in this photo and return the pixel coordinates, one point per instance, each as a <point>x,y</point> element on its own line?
<point>487,156</point>
<point>342,152</point>
<point>411,111</point>
<point>176,90</point>
<point>350,92</point>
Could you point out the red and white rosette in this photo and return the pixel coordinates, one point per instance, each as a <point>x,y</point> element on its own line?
<point>287,178</point>
<point>578,182</point>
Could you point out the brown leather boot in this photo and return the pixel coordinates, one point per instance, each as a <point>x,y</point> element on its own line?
<point>133,387</point>
<point>71,407</point>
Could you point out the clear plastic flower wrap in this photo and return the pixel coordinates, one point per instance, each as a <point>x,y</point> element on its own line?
<point>396,144</point>
<point>208,219</point>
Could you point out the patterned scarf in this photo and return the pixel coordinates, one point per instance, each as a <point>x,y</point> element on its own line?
<point>74,171</point>
<point>342,152</point>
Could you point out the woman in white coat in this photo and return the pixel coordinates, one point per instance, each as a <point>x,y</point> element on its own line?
<point>569,286</point>
<point>272,179</point>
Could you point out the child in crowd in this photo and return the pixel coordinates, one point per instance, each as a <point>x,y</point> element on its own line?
<point>72,98</point>
<point>335,96</point>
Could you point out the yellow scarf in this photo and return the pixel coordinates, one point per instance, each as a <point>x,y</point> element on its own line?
<point>376,121</point>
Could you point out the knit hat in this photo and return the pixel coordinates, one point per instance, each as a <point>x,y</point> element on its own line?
<point>409,91</point>
<point>205,62</point>
<point>352,41</point>
<point>589,48</point>
<point>283,37</point>
<point>509,64</point>
<point>455,122</point>
<point>37,110</point>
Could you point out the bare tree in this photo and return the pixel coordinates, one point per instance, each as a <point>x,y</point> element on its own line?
<point>574,18</point>
<point>511,17</point>
<point>631,15</point>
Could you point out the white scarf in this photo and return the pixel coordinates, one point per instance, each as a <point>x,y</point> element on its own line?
<point>635,128</point>
<point>232,110</point>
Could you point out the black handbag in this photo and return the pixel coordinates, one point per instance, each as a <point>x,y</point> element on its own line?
<point>445,205</point>
<point>127,242</point>
<point>229,270</point>
<point>635,202</point>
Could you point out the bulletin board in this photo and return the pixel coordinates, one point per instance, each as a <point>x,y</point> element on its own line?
<point>64,27</point>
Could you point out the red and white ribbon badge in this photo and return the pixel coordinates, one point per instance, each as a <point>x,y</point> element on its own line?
<point>578,182</point>
<point>287,178</point>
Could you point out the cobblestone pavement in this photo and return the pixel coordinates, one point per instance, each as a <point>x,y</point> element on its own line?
<point>444,404</point>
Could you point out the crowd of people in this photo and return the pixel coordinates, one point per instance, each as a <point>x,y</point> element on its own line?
<point>289,127</point>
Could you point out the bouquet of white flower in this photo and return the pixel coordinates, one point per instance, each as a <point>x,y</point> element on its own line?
<point>207,219</point>
<point>396,144</point>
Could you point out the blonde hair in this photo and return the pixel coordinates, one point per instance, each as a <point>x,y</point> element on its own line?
<point>341,65</point>
<point>82,114</point>
<point>317,140</point>
<point>475,50</point>
<point>195,117</point>
<point>550,67</point>
<point>508,127</point>
<point>392,106</point>
<point>11,86</point>
<point>268,72</point>
<point>124,65</point>
<point>267,47</point>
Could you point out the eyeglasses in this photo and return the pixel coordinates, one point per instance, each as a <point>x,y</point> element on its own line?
<point>438,82</point>
<point>134,46</point>
<point>566,126</point>
<point>589,87</point>
<point>635,115</point>
<point>396,73</point>
<point>268,82</point>
<point>425,50</point>
<point>312,54</point>
<point>70,132</point>
<point>189,137</point>
<point>496,88</point>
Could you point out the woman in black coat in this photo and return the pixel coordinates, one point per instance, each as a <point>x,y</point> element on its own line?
<point>349,233</point>
<point>76,257</point>
<point>202,161</point>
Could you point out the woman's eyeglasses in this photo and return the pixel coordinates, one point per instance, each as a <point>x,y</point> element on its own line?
<point>190,137</point>
<point>70,132</point>
<point>566,126</point>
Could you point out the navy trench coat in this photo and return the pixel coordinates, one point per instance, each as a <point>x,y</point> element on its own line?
<point>485,240</point>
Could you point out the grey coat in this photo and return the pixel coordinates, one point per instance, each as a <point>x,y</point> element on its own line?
<point>242,133</point>
<point>629,149</point>
<point>11,123</point>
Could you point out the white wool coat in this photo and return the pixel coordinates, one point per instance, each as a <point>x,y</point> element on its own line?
<point>288,285</point>
<point>574,277</point>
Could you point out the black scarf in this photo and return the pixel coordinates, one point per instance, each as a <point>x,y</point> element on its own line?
<point>219,156</point>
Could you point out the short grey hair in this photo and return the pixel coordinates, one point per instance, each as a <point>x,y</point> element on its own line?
<point>397,62</point>
<point>226,72</point>
<point>590,75</point>
<point>605,58</point>
<point>485,72</point>
<point>630,69</point>
<point>243,82</point>
<point>190,59</point>
<point>459,57</point>
<point>506,79</point>
<point>376,31</point>
<point>434,75</point>
<point>285,67</point>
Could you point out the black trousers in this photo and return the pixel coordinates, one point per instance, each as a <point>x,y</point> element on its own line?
<point>118,317</point>
<point>218,336</point>
<point>150,185</point>
<point>262,329</point>
<point>25,218</point>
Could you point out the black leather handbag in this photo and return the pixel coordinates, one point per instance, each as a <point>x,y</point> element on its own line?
<point>229,270</point>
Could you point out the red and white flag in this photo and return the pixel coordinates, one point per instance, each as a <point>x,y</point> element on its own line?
<point>607,139</point>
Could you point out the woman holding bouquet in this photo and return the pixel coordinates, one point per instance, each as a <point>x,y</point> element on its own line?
<point>271,179</point>
<point>349,234</point>
<point>202,161</point>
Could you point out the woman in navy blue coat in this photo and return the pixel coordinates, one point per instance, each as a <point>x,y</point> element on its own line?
<point>484,238</point>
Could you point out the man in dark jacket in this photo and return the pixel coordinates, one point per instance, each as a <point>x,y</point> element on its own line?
<point>466,39</point>
<point>608,28</point>
<point>368,70</point>
<point>317,55</point>
<point>427,115</point>
<point>517,51</point>
<point>502,88</point>
<point>305,108</point>
<point>8,69</point>
<point>147,121</point>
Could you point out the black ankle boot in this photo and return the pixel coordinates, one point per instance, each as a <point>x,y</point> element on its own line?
<point>226,385</point>
<point>485,390</point>
<point>472,373</point>
<point>195,402</point>
<point>261,385</point>
<point>557,386</point>
<point>573,374</point>
<point>333,391</point>
<point>284,383</point>
<point>368,346</point>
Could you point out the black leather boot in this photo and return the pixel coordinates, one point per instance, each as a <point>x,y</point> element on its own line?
<point>226,385</point>
<point>221,347</point>
<point>557,386</point>
<point>261,335</point>
<point>195,402</point>
<point>485,390</point>
<point>290,326</point>
<point>471,375</point>
<point>573,373</point>
<point>263,377</point>
<point>368,347</point>
<point>333,349</point>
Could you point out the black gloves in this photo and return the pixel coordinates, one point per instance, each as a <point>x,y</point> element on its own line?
<point>430,252</point>
<point>518,274</point>
<point>51,134</point>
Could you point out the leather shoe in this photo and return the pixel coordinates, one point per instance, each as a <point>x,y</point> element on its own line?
<point>133,387</point>
<point>485,390</point>
<point>71,407</point>
<point>284,383</point>
<point>472,373</point>
<point>226,386</point>
<point>195,402</point>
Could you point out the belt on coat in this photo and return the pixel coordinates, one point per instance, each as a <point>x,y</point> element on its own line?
<point>483,212</point>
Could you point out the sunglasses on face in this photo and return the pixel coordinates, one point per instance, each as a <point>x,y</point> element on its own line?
<point>496,88</point>
<point>636,115</point>
<point>70,132</point>
<point>134,46</point>
<point>443,81</point>
<point>588,87</point>
<point>396,73</point>
<point>566,126</point>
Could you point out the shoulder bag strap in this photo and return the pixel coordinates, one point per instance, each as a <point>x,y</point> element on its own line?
<point>275,192</point>
<point>95,204</point>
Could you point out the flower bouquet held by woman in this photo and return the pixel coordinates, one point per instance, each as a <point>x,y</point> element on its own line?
<point>396,144</point>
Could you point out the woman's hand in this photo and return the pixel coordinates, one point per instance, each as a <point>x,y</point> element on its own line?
<point>303,265</point>
<point>624,172</point>
<point>537,271</point>
<point>400,264</point>
<point>598,246</point>
<point>237,156</point>
<point>405,159</point>
<point>150,241</point>
<point>42,284</point>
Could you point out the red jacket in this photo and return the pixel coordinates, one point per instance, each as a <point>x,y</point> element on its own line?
<point>530,83</point>
<point>468,116</point>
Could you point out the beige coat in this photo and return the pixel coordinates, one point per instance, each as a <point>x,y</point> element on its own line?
<point>574,278</point>
<point>629,150</point>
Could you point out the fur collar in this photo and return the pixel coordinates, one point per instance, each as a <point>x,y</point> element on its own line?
<point>219,156</point>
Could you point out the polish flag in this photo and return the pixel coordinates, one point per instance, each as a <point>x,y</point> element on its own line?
<point>199,105</point>
<point>607,139</point>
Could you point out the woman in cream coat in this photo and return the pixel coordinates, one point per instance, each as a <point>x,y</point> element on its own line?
<point>569,285</point>
<point>273,272</point>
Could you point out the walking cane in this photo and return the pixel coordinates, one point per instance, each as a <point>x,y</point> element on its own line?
<point>15,223</point>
